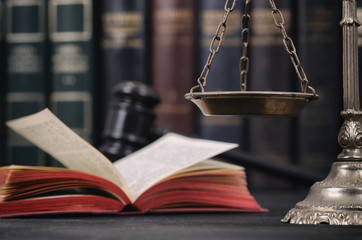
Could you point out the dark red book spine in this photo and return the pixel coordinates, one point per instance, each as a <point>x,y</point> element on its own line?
<point>173,62</point>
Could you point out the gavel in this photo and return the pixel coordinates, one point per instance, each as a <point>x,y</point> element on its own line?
<point>129,123</point>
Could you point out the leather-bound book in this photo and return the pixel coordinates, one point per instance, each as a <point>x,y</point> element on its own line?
<point>320,48</point>
<point>173,62</point>
<point>25,74</point>
<point>123,46</point>
<point>71,55</point>
<point>271,70</point>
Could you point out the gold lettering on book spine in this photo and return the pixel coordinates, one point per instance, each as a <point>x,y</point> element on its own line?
<point>174,26</point>
<point>70,59</point>
<point>24,59</point>
<point>122,29</point>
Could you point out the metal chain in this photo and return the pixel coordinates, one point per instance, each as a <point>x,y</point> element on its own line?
<point>217,40</point>
<point>214,47</point>
<point>290,48</point>
<point>245,36</point>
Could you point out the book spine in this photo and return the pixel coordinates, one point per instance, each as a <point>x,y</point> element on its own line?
<point>25,72</point>
<point>2,83</point>
<point>270,70</point>
<point>173,62</point>
<point>123,46</point>
<point>71,46</point>
<point>320,48</point>
<point>224,74</point>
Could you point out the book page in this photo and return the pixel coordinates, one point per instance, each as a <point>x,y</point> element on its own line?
<point>51,135</point>
<point>164,157</point>
<point>210,164</point>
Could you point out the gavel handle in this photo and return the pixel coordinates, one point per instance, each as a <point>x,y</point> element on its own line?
<point>289,172</point>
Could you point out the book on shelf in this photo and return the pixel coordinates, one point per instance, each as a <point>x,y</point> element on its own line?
<point>224,74</point>
<point>25,76</point>
<point>71,71</point>
<point>172,174</point>
<point>123,45</point>
<point>320,50</point>
<point>173,37</point>
<point>270,70</point>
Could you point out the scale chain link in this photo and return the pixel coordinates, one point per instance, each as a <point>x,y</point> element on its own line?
<point>245,36</point>
<point>290,48</point>
<point>214,47</point>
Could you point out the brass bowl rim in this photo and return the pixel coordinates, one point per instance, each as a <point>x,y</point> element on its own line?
<point>206,102</point>
<point>252,94</point>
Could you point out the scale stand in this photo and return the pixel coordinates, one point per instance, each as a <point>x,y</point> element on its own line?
<point>337,200</point>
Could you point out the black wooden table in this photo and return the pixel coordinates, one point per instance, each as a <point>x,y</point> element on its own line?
<point>180,226</point>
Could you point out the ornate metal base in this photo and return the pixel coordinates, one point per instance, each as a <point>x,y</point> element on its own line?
<point>337,200</point>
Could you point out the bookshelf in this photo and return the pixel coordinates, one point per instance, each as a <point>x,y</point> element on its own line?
<point>90,96</point>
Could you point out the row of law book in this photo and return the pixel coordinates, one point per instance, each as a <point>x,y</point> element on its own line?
<point>47,60</point>
<point>90,46</point>
<point>173,174</point>
<point>68,55</point>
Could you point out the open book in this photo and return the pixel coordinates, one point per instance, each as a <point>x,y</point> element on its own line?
<point>174,173</point>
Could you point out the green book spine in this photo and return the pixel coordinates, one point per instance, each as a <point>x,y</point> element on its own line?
<point>224,74</point>
<point>123,44</point>
<point>270,70</point>
<point>71,56</point>
<point>25,72</point>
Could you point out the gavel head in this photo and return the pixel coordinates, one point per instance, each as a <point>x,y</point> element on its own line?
<point>130,119</point>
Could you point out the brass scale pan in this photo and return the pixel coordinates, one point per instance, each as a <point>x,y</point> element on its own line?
<point>257,103</point>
